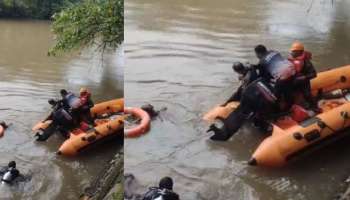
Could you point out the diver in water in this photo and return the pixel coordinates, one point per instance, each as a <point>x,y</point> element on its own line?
<point>153,113</point>
<point>150,110</point>
<point>163,192</point>
<point>10,174</point>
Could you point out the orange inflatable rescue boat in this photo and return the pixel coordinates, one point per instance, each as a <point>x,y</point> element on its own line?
<point>108,124</point>
<point>290,138</point>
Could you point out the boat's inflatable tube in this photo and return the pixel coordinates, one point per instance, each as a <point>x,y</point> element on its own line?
<point>285,144</point>
<point>107,108</point>
<point>42,125</point>
<point>110,126</point>
<point>144,125</point>
<point>79,141</point>
<point>220,112</point>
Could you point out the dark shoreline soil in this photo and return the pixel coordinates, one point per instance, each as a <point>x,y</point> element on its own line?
<point>109,184</point>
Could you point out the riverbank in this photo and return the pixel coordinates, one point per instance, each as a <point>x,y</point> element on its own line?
<point>345,194</point>
<point>108,185</point>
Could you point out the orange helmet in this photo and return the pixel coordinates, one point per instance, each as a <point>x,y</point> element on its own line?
<point>83,90</point>
<point>297,46</point>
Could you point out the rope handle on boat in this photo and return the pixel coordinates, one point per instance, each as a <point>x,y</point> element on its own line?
<point>345,116</point>
<point>323,125</point>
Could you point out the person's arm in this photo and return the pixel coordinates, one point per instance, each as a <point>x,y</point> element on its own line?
<point>235,96</point>
<point>49,117</point>
<point>308,72</point>
<point>91,103</point>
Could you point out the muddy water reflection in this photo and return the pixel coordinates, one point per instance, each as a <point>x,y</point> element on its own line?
<point>179,55</point>
<point>28,78</point>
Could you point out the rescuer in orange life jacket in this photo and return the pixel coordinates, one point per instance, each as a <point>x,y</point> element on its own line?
<point>86,104</point>
<point>305,71</point>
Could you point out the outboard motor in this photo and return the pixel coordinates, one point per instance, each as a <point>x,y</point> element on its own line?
<point>62,117</point>
<point>8,177</point>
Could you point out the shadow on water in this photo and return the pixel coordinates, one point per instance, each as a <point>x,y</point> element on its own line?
<point>179,55</point>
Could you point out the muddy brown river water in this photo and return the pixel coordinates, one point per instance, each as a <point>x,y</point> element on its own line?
<point>179,55</point>
<point>28,78</point>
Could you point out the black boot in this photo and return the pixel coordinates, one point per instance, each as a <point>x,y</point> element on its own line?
<point>219,134</point>
<point>231,125</point>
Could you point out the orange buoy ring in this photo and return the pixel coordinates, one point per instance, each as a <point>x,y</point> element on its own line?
<point>3,127</point>
<point>2,131</point>
<point>143,127</point>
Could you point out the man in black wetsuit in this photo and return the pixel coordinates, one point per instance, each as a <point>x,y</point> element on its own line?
<point>247,74</point>
<point>262,96</point>
<point>163,192</point>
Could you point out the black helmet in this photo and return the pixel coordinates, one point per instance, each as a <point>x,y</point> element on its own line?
<point>63,92</point>
<point>238,67</point>
<point>149,109</point>
<point>166,183</point>
<point>261,49</point>
<point>12,164</point>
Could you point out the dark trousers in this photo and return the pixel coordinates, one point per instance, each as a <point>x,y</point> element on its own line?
<point>85,115</point>
<point>305,89</point>
<point>252,102</point>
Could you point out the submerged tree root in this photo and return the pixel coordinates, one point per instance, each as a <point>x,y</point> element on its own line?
<point>108,185</point>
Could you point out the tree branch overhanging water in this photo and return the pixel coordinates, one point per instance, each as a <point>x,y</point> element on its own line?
<point>88,23</point>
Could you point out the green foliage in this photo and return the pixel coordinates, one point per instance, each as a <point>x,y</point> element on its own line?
<point>92,22</point>
<point>119,192</point>
<point>40,9</point>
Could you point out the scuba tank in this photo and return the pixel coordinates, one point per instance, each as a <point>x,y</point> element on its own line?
<point>9,176</point>
<point>335,94</point>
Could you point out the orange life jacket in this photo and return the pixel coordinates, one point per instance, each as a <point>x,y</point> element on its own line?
<point>299,61</point>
